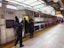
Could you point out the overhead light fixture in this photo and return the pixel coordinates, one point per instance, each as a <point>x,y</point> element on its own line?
<point>62,8</point>
<point>55,1</point>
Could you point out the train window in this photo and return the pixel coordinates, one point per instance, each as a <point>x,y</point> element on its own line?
<point>42,15</point>
<point>42,26</point>
<point>36,28</point>
<point>9,12</point>
<point>36,14</point>
<point>9,23</point>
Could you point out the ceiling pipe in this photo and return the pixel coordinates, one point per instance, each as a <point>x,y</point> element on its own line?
<point>60,2</point>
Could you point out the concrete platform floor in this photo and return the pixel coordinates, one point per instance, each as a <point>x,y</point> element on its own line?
<point>52,38</point>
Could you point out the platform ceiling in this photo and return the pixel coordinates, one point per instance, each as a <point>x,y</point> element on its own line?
<point>36,5</point>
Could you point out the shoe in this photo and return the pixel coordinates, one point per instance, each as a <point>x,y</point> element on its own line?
<point>22,45</point>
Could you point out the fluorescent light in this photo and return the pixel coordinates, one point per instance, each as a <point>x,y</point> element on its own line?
<point>11,7</point>
<point>29,1</point>
<point>55,1</point>
<point>35,3</point>
<point>39,6</point>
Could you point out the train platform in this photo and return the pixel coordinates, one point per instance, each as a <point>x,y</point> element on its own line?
<point>52,37</point>
<point>20,18</point>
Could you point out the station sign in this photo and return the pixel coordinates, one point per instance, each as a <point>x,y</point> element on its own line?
<point>57,12</point>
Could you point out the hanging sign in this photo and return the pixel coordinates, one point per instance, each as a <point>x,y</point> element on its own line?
<point>58,12</point>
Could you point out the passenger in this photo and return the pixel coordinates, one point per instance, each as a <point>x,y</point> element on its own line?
<point>31,27</point>
<point>18,29</point>
<point>26,26</point>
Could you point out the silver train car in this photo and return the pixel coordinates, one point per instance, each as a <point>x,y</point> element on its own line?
<point>7,33</point>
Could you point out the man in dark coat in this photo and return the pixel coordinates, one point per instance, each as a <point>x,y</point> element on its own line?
<point>18,29</point>
<point>31,27</point>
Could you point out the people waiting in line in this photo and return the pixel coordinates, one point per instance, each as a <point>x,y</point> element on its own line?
<point>18,30</point>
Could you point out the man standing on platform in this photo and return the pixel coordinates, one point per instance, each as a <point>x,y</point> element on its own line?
<point>18,30</point>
